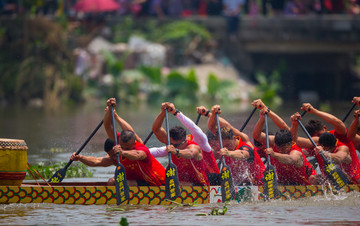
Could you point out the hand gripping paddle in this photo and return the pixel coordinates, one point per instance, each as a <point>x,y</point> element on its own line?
<point>122,188</point>
<point>172,184</point>
<point>227,184</point>
<point>271,189</point>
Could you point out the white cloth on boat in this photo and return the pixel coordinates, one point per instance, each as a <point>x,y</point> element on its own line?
<point>199,136</point>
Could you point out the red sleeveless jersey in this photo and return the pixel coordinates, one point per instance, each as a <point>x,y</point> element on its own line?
<point>291,175</point>
<point>190,170</point>
<point>349,169</point>
<point>246,172</point>
<point>352,169</point>
<point>209,160</point>
<point>148,170</point>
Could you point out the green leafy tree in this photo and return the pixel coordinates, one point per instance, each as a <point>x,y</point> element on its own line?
<point>268,88</point>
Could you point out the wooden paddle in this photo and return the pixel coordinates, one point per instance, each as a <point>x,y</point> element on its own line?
<point>227,184</point>
<point>348,113</point>
<point>271,189</point>
<point>60,174</point>
<point>336,176</point>
<point>172,184</point>
<point>121,186</point>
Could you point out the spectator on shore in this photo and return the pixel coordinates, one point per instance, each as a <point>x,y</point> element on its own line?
<point>353,8</point>
<point>278,6</point>
<point>232,10</point>
<point>214,7</point>
<point>295,7</point>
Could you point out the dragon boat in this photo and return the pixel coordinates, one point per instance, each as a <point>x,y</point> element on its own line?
<point>99,193</point>
<point>13,159</point>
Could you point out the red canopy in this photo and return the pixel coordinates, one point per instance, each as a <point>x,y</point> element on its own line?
<point>88,6</point>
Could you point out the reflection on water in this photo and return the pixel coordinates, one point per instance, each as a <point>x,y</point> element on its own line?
<point>320,210</point>
<point>67,129</point>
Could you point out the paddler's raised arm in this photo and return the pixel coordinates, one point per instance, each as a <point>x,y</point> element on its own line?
<point>339,126</point>
<point>199,137</point>
<point>301,142</point>
<point>123,124</point>
<point>157,128</point>
<point>353,129</point>
<point>278,121</point>
<point>224,123</point>
<point>258,135</point>
<point>212,119</point>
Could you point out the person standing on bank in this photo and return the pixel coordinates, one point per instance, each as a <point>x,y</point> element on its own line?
<point>232,11</point>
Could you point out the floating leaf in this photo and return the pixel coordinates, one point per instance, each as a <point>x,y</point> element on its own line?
<point>114,209</point>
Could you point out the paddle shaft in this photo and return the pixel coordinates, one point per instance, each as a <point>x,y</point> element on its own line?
<point>267,137</point>
<point>247,120</point>
<point>308,135</point>
<point>167,133</point>
<point>220,138</point>
<point>85,143</point>
<point>198,119</point>
<point>348,113</point>
<point>148,137</point>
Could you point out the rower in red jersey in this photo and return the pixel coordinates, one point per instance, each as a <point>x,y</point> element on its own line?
<point>185,153</point>
<point>291,165</point>
<point>246,165</point>
<point>140,166</point>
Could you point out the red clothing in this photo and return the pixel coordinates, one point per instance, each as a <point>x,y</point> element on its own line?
<point>260,152</point>
<point>346,168</point>
<point>250,171</point>
<point>209,161</point>
<point>191,170</point>
<point>291,175</point>
<point>354,166</point>
<point>148,170</point>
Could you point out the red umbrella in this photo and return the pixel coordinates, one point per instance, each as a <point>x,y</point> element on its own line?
<point>88,6</point>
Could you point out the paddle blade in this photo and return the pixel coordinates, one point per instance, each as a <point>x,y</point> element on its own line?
<point>172,184</point>
<point>336,176</point>
<point>271,189</point>
<point>122,188</point>
<point>227,184</point>
<point>58,176</point>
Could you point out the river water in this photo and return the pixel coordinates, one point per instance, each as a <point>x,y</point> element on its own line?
<point>52,137</point>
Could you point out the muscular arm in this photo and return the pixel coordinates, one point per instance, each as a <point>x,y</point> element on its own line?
<point>160,132</point>
<point>259,135</point>
<point>244,137</point>
<point>279,122</point>
<point>108,123</point>
<point>212,123</point>
<point>126,126</point>
<point>95,161</point>
<point>134,155</point>
<point>342,155</point>
<point>123,124</point>
<point>238,154</point>
<point>339,126</point>
<point>293,158</point>
<point>190,152</point>
<point>352,132</point>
